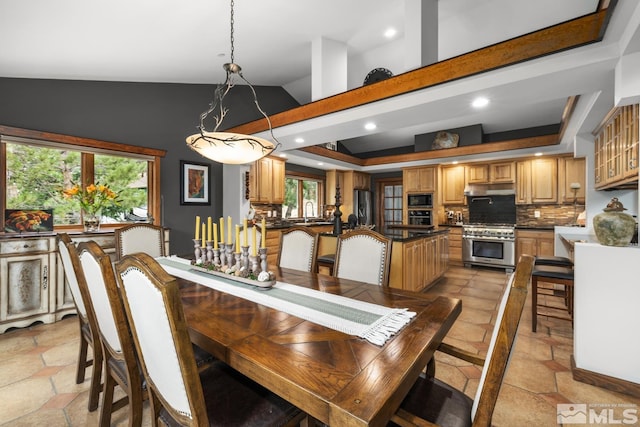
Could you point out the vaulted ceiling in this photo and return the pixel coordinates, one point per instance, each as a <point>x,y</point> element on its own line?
<point>186,42</point>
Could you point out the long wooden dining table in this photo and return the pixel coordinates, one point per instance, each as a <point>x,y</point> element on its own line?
<point>339,379</point>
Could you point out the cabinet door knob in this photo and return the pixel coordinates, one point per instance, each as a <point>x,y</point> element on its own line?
<point>26,245</point>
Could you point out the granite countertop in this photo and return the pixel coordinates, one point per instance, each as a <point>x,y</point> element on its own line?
<point>288,224</point>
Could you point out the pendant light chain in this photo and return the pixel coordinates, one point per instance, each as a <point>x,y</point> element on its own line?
<point>232,39</point>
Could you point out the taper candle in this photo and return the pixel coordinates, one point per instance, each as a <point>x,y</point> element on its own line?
<point>237,239</point>
<point>197,227</point>
<point>254,248</point>
<point>264,232</point>
<point>246,232</point>
<point>209,229</point>
<point>221,229</point>
<point>215,236</point>
<point>229,230</point>
<point>204,231</point>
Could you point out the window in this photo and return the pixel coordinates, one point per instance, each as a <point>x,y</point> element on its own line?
<point>36,171</point>
<point>302,197</point>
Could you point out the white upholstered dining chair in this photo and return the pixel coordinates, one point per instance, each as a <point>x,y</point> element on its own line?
<point>298,249</point>
<point>140,237</point>
<point>89,336</point>
<point>363,255</point>
<point>178,393</point>
<point>435,403</point>
<point>120,360</point>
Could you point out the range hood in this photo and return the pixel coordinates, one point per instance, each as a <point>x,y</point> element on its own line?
<point>490,189</point>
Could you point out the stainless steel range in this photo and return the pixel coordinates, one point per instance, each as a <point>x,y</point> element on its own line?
<point>490,238</point>
<point>492,245</point>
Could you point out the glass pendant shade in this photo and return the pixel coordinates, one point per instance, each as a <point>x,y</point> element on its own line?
<point>230,148</point>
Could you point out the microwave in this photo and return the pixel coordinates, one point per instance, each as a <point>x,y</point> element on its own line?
<point>424,200</point>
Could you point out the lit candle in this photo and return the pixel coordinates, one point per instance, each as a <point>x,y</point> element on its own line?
<point>221,230</point>
<point>204,230</point>
<point>245,242</point>
<point>229,229</point>
<point>209,229</point>
<point>237,239</point>
<point>215,236</point>
<point>254,248</point>
<point>263,244</point>
<point>197,227</point>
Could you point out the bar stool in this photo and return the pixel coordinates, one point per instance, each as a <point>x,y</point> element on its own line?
<point>556,275</point>
<point>558,261</point>
<point>326,261</point>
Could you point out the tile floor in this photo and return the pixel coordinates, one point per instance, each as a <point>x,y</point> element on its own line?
<point>37,365</point>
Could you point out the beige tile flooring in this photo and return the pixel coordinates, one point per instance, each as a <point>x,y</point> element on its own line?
<point>37,365</point>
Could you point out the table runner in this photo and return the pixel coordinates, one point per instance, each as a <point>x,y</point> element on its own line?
<point>373,322</point>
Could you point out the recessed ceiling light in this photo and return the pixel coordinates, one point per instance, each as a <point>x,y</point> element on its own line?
<point>283,155</point>
<point>299,140</point>
<point>320,163</point>
<point>538,154</point>
<point>370,126</point>
<point>390,32</point>
<point>480,102</point>
<point>455,162</point>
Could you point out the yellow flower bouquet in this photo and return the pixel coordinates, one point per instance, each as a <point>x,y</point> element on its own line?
<point>92,200</point>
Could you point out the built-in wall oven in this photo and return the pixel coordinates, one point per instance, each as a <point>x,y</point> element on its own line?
<point>492,246</point>
<point>420,217</point>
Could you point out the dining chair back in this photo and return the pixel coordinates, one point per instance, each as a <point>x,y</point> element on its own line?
<point>439,403</point>
<point>298,249</point>
<point>177,391</point>
<point>121,364</point>
<point>88,328</point>
<point>363,255</point>
<point>140,237</point>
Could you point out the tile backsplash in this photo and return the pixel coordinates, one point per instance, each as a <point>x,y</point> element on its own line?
<point>550,215</point>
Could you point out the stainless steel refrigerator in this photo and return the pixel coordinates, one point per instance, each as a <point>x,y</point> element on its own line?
<point>362,207</point>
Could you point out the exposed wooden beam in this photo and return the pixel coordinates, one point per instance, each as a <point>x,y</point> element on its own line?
<point>568,35</point>
<point>490,147</point>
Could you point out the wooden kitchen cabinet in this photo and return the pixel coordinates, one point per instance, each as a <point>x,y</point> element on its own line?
<point>571,170</point>
<point>537,181</point>
<point>416,264</point>
<point>361,181</point>
<point>419,179</point>
<point>453,182</point>
<point>534,242</point>
<point>266,181</point>
<point>616,149</point>
<point>491,173</point>
<point>455,244</point>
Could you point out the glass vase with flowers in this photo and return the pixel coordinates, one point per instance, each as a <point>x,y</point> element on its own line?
<point>92,199</point>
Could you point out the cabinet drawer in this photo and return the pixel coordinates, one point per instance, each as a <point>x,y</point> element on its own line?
<point>105,242</point>
<point>24,245</point>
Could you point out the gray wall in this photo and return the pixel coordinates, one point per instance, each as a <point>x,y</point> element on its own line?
<point>151,115</point>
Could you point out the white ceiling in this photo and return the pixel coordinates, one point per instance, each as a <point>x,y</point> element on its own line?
<point>188,41</point>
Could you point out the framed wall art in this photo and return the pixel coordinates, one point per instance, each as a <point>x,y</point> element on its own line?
<point>195,183</point>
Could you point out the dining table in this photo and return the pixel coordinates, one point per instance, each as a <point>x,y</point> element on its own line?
<point>336,378</point>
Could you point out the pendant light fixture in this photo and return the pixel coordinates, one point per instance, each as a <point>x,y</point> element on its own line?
<point>227,147</point>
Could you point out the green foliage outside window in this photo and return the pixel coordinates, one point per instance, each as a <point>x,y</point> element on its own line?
<point>36,177</point>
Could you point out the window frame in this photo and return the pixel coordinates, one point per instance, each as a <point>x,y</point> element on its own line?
<point>301,176</point>
<point>88,148</point>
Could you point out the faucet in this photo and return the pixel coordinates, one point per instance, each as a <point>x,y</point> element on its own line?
<point>306,218</point>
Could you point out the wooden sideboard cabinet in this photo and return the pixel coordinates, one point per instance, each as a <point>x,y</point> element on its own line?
<point>33,286</point>
<point>27,281</point>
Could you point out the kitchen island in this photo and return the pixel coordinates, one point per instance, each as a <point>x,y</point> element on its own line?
<point>418,258</point>
<point>419,254</point>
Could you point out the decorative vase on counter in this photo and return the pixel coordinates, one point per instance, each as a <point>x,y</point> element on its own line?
<point>613,227</point>
<point>91,221</point>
